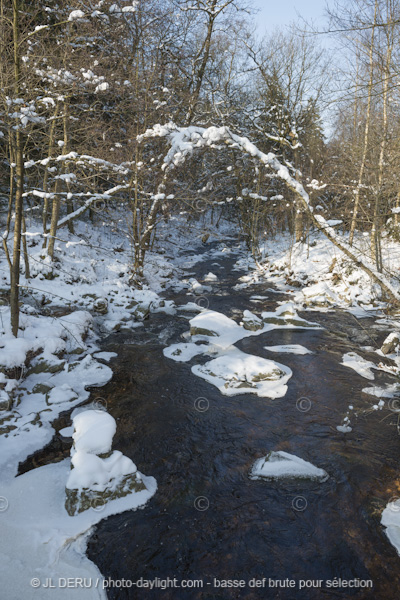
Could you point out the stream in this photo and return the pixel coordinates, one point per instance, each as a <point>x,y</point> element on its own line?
<point>208,519</point>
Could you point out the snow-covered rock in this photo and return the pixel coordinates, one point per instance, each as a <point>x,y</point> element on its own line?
<point>251,321</point>
<point>286,317</point>
<point>289,349</point>
<point>95,480</point>
<point>210,324</point>
<point>94,432</point>
<point>184,352</point>
<point>281,464</point>
<point>391,343</point>
<point>235,372</point>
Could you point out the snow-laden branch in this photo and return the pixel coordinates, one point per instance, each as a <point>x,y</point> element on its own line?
<point>185,140</point>
<point>81,160</point>
<point>105,196</point>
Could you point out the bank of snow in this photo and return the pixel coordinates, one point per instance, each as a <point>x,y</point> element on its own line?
<point>43,372</point>
<point>318,276</point>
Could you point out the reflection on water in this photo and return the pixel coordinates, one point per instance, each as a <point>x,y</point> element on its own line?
<point>208,519</point>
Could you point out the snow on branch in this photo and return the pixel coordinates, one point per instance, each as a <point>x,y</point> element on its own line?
<point>105,196</point>
<point>81,160</point>
<point>184,140</point>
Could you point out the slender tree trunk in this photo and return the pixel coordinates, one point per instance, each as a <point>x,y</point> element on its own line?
<point>25,248</point>
<point>200,74</point>
<point>55,213</point>
<point>45,213</point>
<point>10,203</point>
<point>14,295</point>
<point>366,130</point>
<point>376,228</point>
<point>19,171</point>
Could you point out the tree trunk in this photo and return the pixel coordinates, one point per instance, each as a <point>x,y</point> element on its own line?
<point>46,173</point>
<point>55,213</point>
<point>366,130</point>
<point>377,222</point>
<point>19,171</point>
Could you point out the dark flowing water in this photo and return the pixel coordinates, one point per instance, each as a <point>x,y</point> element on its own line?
<point>251,529</point>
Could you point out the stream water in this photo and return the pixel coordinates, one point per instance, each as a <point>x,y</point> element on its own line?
<point>300,530</point>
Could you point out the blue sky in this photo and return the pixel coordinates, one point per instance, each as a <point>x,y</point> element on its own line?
<point>278,13</point>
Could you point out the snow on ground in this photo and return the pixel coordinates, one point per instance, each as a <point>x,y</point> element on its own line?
<point>66,306</point>
<point>40,540</point>
<point>277,465</point>
<point>53,364</point>
<point>318,276</point>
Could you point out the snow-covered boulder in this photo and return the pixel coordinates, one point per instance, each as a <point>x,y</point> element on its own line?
<point>93,432</point>
<point>391,343</point>
<point>281,464</point>
<point>251,322</point>
<point>100,306</point>
<point>98,474</point>
<point>235,372</point>
<point>210,324</point>
<point>285,316</point>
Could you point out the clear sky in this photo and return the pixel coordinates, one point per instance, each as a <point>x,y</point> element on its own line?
<point>278,13</point>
